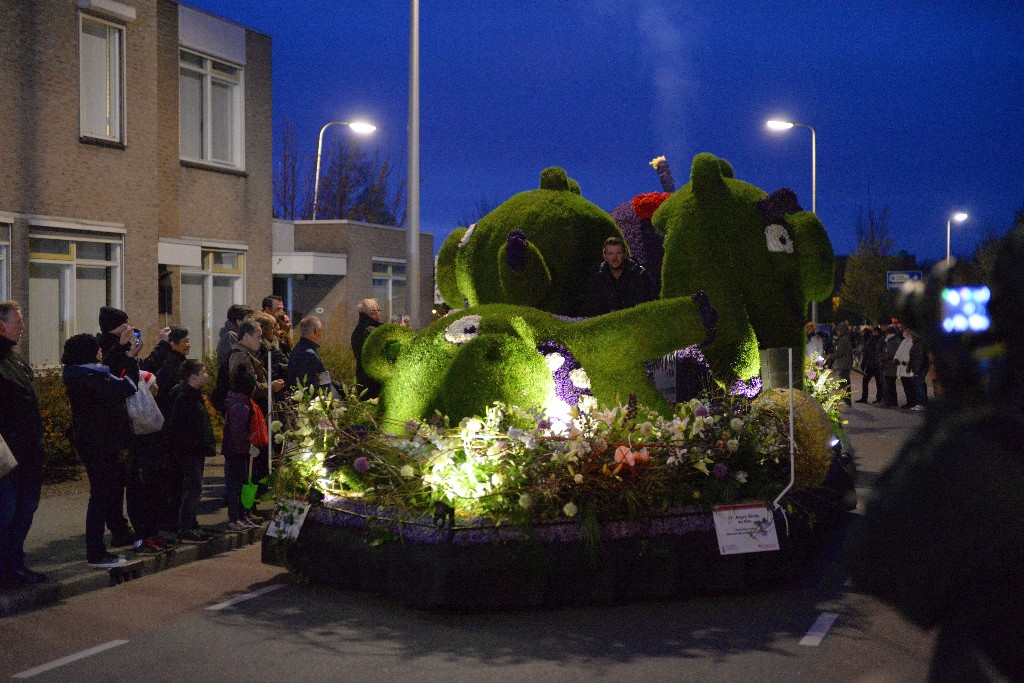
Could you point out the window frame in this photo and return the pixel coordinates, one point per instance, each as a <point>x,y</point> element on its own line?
<point>208,270</point>
<point>387,310</point>
<point>121,137</point>
<point>5,261</point>
<point>70,264</point>
<point>209,75</point>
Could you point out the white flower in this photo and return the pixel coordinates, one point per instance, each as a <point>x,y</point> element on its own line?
<point>570,509</point>
<point>579,378</point>
<point>275,426</point>
<point>407,471</point>
<point>254,451</point>
<point>578,478</point>
<point>645,429</point>
<point>587,403</point>
<point>465,238</point>
<point>741,477</point>
<point>473,425</point>
<point>731,445</point>
<point>278,438</point>
<point>463,330</point>
<point>525,501</point>
<point>736,424</point>
<point>555,361</point>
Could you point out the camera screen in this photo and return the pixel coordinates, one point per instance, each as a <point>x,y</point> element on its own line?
<point>965,309</point>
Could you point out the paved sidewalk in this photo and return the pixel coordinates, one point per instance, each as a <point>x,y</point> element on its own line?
<point>56,543</point>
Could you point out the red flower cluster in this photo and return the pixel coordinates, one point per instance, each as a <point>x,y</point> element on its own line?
<point>644,205</point>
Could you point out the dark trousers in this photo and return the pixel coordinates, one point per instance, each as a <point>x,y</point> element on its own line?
<point>921,388</point>
<point>865,384</point>
<point>144,491</point>
<point>910,391</point>
<point>236,472</point>
<point>889,391</point>
<point>106,478</point>
<point>19,501</point>
<point>844,377</point>
<point>191,469</point>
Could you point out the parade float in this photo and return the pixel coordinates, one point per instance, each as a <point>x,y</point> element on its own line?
<point>519,456</point>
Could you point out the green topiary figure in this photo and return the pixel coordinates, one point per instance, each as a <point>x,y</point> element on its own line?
<point>536,249</point>
<point>469,359</point>
<point>759,258</point>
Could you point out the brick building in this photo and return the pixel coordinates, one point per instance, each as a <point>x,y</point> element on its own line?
<point>135,169</point>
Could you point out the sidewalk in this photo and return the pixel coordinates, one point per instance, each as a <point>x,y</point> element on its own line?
<point>56,544</point>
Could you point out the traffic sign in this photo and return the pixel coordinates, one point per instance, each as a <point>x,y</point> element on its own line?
<point>894,279</point>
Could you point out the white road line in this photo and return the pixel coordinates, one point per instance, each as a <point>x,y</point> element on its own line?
<point>819,629</point>
<point>243,598</point>
<point>70,658</point>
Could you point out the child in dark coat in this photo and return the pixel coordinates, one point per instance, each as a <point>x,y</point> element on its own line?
<point>191,440</point>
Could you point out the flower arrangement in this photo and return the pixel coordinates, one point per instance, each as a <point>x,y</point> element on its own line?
<point>514,466</point>
<point>827,389</point>
<point>646,204</point>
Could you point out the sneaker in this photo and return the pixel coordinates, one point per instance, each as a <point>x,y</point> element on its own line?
<point>194,536</point>
<point>240,525</point>
<point>146,547</point>
<point>919,407</point>
<point>170,539</point>
<point>106,561</point>
<point>254,518</point>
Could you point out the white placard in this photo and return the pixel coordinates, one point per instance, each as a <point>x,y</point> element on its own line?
<point>288,519</point>
<point>747,528</point>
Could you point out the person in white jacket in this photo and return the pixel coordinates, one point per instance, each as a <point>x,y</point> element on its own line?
<point>903,371</point>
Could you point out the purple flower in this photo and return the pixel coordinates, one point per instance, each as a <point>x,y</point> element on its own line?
<point>412,426</point>
<point>361,465</point>
<point>720,471</point>
<point>776,205</point>
<point>701,411</point>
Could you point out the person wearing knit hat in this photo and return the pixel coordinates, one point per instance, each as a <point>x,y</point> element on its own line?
<point>111,318</point>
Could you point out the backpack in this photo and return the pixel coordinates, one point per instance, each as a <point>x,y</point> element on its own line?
<point>219,395</point>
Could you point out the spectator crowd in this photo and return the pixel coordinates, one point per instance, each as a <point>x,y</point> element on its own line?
<point>142,428</point>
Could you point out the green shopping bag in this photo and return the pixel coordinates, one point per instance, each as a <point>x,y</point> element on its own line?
<point>249,489</point>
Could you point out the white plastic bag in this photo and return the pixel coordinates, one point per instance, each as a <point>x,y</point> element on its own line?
<point>143,411</point>
<point>7,459</point>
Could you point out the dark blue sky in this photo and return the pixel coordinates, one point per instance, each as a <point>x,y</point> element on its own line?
<point>918,106</point>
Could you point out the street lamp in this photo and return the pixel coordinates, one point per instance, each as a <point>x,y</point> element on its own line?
<point>357,127</point>
<point>959,217</point>
<point>776,124</point>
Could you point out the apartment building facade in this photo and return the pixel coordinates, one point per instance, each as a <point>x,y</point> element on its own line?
<point>135,167</point>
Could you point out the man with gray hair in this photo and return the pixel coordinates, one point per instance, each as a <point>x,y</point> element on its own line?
<point>305,369</point>
<point>22,429</point>
<point>369,320</point>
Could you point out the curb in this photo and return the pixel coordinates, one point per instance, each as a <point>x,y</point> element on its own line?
<point>78,579</point>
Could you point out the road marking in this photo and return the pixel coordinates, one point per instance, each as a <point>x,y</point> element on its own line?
<point>242,598</point>
<point>70,658</point>
<point>820,628</point>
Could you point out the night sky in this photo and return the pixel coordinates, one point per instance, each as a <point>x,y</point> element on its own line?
<point>918,106</point>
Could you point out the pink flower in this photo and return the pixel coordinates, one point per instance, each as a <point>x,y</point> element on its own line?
<point>623,453</point>
<point>361,465</point>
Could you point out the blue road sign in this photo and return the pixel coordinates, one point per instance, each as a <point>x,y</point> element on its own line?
<point>894,279</point>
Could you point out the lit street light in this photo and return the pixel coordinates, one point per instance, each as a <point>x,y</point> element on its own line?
<point>959,217</point>
<point>357,127</point>
<point>776,124</point>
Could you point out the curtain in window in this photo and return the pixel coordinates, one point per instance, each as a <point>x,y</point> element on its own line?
<point>101,79</point>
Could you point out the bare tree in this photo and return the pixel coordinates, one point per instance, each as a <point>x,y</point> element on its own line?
<point>864,285</point>
<point>483,207</point>
<point>354,185</point>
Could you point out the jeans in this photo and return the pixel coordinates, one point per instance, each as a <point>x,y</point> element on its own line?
<point>236,472</point>
<point>106,477</point>
<point>18,503</point>
<point>191,469</point>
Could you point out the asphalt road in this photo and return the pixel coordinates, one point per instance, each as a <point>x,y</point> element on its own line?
<point>181,625</point>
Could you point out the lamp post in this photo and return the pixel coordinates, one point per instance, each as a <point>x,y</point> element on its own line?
<point>959,217</point>
<point>358,127</point>
<point>776,124</point>
<point>412,197</point>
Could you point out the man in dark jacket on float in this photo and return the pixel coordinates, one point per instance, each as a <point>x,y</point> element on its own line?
<point>620,282</point>
<point>22,429</point>
<point>369,320</point>
<point>305,368</point>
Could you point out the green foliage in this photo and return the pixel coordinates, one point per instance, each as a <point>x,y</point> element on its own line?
<point>565,234</point>
<point>469,359</point>
<point>61,462</point>
<point>447,284</point>
<point>340,362</point>
<point>716,242</point>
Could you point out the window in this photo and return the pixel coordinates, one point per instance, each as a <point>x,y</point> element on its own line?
<point>101,67</point>
<point>70,279</point>
<point>206,294</point>
<point>389,287</point>
<point>210,114</point>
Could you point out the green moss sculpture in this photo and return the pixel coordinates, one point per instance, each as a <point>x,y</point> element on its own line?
<point>536,249</point>
<point>469,359</point>
<point>759,258</point>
